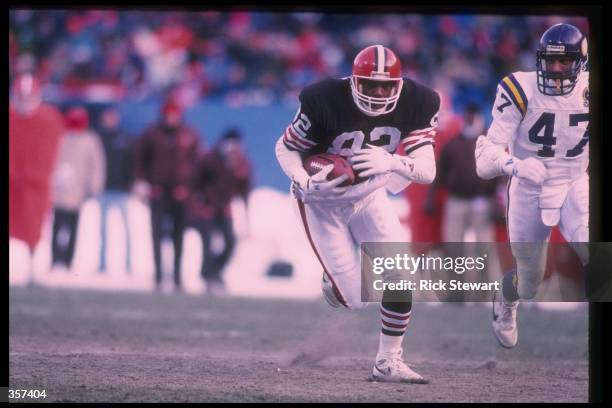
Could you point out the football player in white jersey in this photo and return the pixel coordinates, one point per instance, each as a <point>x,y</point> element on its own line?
<point>539,136</point>
<point>363,118</point>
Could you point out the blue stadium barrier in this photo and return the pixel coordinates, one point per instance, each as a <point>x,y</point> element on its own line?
<point>260,126</point>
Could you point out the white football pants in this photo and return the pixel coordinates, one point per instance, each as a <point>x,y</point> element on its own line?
<point>529,235</point>
<point>337,229</point>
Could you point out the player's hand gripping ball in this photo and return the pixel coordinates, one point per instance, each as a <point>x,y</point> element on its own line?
<point>341,166</point>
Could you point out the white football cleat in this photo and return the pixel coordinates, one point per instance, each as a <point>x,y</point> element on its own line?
<point>328,292</point>
<point>390,367</point>
<point>504,321</point>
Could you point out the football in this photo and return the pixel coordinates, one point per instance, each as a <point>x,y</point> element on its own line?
<point>315,163</point>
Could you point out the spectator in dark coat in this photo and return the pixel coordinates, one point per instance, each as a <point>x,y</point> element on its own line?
<point>470,198</point>
<point>470,201</point>
<point>164,160</point>
<point>118,151</point>
<point>221,175</point>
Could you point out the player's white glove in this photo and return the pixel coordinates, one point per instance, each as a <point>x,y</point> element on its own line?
<point>317,187</point>
<point>530,169</point>
<point>371,161</point>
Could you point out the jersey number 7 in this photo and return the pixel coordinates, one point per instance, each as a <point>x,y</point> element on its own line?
<point>546,122</point>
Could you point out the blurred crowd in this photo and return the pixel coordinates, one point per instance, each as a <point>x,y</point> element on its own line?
<point>259,58</point>
<point>60,159</point>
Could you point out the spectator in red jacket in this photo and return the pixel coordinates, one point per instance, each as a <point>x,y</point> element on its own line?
<point>221,175</point>
<point>35,133</point>
<point>164,159</point>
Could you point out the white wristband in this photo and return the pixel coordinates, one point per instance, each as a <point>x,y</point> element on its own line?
<point>507,164</point>
<point>402,165</point>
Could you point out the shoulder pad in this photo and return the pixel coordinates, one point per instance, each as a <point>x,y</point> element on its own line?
<point>415,88</point>
<point>519,86</point>
<point>322,89</point>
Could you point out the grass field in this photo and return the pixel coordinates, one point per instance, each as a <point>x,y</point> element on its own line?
<point>112,347</point>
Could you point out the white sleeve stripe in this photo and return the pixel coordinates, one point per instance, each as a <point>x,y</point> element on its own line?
<point>295,145</point>
<point>287,136</point>
<point>289,143</point>
<point>298,137</point>
<point>421,135</point>
<point>412,148</point>
<point>417,131</point>
<point>417,135</point>
<point>295,141</point>
<point>292,145</point>
<point>411,143</point>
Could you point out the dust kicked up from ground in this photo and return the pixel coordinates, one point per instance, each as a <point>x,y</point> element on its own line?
<point>109,347</point>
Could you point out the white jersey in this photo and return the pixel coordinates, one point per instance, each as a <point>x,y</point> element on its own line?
<point>553,129</point>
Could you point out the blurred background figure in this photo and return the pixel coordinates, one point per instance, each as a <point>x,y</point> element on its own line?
<point>470,199</point>
<point>221,175</point>
<point>164,159</point>
<point>470,202</point>
<point>118,151</point>
<point>35,132</point>
<point>424,220</point>
<point>79,175</point>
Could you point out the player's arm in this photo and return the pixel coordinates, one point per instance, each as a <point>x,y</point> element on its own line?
<point>419,166</point>
<point>290,161</point>
<point>492,157</point>
<point>297,141</point>
<point>419,163</point>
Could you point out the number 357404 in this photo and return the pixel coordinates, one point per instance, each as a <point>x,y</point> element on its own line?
<point>22,394</point>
